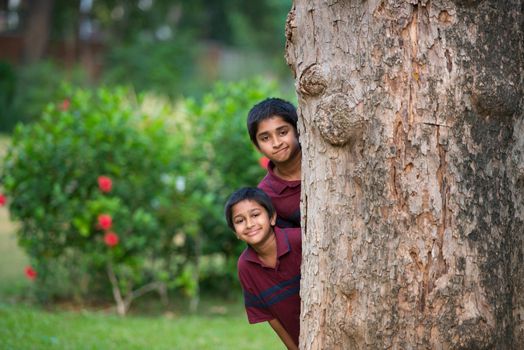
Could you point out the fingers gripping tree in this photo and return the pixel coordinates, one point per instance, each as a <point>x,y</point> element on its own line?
<point>413,170</point>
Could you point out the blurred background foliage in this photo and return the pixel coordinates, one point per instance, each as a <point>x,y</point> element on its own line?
<point>173,48</point>
<point>153,94</point>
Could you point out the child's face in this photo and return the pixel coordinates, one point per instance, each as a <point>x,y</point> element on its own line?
<point>251,222</point>
<point>277,140</point>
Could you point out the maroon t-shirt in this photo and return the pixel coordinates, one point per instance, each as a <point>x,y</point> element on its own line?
<point>285,196</point>
<point>271,293</point>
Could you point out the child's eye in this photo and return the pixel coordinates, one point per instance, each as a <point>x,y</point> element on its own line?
<point>283,132</point>
<point>238,221</point>
<point>264,138</point>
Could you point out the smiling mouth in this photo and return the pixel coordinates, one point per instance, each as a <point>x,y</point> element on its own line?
<point>280,150</point>
<point>252,233</point>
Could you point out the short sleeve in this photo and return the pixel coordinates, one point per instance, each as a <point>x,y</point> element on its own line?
<point>256,309</point>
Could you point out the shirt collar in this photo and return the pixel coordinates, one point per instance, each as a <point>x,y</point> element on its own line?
<point>283,246</point>
<point>277,184</point>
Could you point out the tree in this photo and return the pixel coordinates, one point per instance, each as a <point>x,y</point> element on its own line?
<point>413,172</point>
<point>36,33</point>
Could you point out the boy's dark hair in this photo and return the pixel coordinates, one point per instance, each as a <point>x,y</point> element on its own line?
<point>268,108</point>
<point>247,193</point>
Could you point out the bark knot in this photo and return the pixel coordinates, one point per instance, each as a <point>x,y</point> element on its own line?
<point>337,120</point>
<point>312,81</point>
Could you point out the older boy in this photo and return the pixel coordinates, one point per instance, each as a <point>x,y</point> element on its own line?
<point>269,268</point>
<point>272,127</point>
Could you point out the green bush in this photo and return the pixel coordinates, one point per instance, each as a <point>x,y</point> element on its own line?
<point>54,175</point>
<point>172,167</point>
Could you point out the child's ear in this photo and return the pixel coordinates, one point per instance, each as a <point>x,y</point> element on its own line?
<point>273,220</point>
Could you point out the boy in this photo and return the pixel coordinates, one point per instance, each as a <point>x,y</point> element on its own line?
<point>269,268</point>
<point>272,127</point>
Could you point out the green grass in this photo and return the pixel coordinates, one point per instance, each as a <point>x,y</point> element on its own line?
<point>22,327</point>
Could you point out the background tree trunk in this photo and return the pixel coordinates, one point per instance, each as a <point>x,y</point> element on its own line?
<point>37,28</point>
<point>413,172</point>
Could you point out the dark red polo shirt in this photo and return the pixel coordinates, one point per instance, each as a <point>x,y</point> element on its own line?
<point>271,293</point>
<point>285,196</point>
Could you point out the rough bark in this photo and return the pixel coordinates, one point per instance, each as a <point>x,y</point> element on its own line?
<point>412,133</point>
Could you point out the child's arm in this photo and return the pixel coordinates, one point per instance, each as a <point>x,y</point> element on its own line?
<point>283,334</point>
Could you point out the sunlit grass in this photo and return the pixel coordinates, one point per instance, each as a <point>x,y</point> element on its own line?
<point>12,259</point>
<point>22,327</point>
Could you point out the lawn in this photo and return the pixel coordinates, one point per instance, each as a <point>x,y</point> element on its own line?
<point>22,327</point>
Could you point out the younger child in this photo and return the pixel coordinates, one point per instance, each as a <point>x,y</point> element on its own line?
<point>269,268</point>
<point>272,127</point>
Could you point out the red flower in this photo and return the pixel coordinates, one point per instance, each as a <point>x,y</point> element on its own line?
<point>30,273</point>
<point>105,221</point>
<point>104,183</point>
<point>2,200</point>
<point>264,162</point>
<point>64,106</point>
<point>111,239</point>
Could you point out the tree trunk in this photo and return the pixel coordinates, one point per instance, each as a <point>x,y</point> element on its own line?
<point>412,136</point>
<point>37,28</point>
